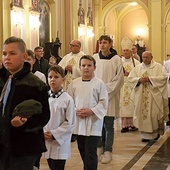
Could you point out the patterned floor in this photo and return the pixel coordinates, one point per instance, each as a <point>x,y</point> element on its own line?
<point>129,153</point>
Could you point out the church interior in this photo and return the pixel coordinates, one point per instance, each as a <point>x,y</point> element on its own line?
<point>53,24</point>
<point>145,22</point>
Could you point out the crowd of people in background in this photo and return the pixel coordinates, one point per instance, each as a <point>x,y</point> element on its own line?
<point>80,97</point>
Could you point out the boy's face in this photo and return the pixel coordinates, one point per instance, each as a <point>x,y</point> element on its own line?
<point>87,69</point>
<point>52,61</point>
<point>55,81</point>
<point>31,61</point>
<point>13,58</point>
<point>0,63</point>
<point>104,45</point>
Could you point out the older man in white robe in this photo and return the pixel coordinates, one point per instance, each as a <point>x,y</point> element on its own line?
<point>148,80</point>
<point>70,63</point>
<point>126,109</point>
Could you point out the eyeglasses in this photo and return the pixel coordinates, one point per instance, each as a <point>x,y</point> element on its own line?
<point>40,51</point>
<point>72,45</point>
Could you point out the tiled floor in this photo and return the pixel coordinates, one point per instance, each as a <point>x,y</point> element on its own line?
<point>129,153</point>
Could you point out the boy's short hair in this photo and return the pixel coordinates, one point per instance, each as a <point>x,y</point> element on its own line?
<point>57,69</point>
<point>105,37</point>
<point>88,57</point>
<point>53,57</point>
<point>19,41</point>
<point>30,53</point>
<point>37,48</point>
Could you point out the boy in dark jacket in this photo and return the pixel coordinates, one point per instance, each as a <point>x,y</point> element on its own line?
<point>21,139</point>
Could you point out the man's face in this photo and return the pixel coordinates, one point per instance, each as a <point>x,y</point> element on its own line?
<point>146,58</point>
<point>127,53</point>
<point>134,50</point>
<point>104,45</point>
<point>39,53</point>
<point>13,58</point>
<point>74,47</point>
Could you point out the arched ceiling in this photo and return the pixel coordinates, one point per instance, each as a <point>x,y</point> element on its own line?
<point>105,2</point>
<point>121,7</point>
<point>126,7</point>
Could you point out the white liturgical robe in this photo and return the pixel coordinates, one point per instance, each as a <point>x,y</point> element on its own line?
<point>61,125</point>
<point>111,72</point>
<point>167,67</point>
<point>150,99</point>
<point>126,109</point>
<point>71,59</point>
<point>92,95</point>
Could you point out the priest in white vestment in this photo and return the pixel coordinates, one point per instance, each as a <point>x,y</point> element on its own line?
<point>148,81</point>
<point>70,63</point>
<point>126,109</point>
<point>167,68</point>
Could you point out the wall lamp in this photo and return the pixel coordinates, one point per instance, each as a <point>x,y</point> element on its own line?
<point>34,21</point>
<point>140,32</point>
<point>17,17</point>
<point>81,30</point>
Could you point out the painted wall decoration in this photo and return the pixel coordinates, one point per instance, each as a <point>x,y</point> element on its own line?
<point>18,3</point>
<point>90,17</point>
<point>81,14</point>
<point>35,5</point>
<point>44,35</point>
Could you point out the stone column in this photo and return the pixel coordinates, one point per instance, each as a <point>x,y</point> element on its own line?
<point>155,30</point>
<point>5,21</point>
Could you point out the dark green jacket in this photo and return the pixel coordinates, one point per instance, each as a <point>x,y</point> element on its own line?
<point>41,65</point>
<point>3,77</point>
<point>25,140</point>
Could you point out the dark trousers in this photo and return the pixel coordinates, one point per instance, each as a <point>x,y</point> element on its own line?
<point>87,146</point>
<point>56,164</point>
<point>108,133</point>
<point>8,162</point>
<point>4,157</point>
<point>106,141</point>
<point>37,162</point>
<point>168,122</point>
